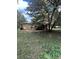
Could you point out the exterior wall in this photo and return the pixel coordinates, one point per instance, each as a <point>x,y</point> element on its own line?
<point>27,26</point>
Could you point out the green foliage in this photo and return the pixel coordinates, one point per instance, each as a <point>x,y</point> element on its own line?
<point>46,10</point>
<point>53,53</point>
<point>20,19</point>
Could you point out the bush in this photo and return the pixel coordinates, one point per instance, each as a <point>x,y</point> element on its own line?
<point>54,53</point>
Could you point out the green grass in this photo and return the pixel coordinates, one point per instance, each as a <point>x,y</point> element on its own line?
<point>31,44</point>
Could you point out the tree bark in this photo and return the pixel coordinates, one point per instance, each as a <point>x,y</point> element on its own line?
<point>49,22</point>
<point>56,20</point>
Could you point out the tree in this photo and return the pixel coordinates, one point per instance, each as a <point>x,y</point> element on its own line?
<point>42,9</point>
<point>20,20</point>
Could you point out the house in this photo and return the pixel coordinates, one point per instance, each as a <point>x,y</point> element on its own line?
<point>26,26</point>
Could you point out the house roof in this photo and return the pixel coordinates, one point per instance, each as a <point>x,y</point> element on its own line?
<point>26,23</point>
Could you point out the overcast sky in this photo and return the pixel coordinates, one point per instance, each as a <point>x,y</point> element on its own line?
<point>22,5</point>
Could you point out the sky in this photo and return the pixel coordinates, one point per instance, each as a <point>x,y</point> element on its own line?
<point>22,5</point>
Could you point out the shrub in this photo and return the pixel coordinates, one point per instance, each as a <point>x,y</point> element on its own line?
<point>54,53</point>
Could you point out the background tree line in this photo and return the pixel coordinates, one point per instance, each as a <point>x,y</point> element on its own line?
<point>20,20</point>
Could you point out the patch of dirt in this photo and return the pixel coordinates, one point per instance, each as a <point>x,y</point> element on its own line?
<point>32,30</point>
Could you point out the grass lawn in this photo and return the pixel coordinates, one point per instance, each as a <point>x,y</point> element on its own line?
<point>31,44</point>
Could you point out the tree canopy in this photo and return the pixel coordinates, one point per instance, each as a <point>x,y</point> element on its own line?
<point>45,12</point>
<point>20,19</point>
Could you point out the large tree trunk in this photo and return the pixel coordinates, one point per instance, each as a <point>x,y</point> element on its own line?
<point>56,20</point>
<point>49,23</point>
<point>50,19</point>
<point>49,27</point>
<point>52,14</point>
